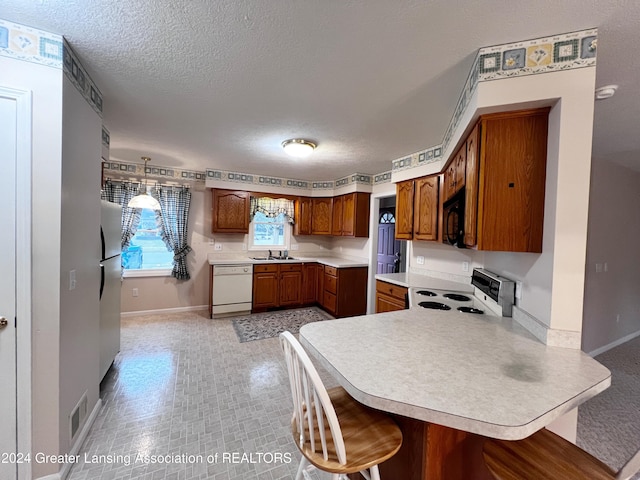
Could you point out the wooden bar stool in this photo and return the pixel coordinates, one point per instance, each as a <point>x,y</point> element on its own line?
<point>334,433</point>
<point>547,456</point>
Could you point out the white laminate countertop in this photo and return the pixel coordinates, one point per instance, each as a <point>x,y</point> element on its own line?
<point>483,375</point>
<point>336,262</point>
<point>424,281</point>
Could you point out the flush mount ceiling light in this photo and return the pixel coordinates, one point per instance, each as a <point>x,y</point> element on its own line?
<point>607,91</point>
<point>144,200</point>
<point>298,147</point>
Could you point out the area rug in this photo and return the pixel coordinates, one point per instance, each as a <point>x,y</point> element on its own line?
<point>271,324</point>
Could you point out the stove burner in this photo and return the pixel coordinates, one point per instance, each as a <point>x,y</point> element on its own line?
<point>426,293</point>
<point>435,305</point>
<point>477,311</point>
<point>457,297</point>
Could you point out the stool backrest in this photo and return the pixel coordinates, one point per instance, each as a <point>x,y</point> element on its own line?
<point>312,407</point>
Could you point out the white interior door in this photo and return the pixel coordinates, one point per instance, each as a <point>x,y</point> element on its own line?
<point>8,391</point>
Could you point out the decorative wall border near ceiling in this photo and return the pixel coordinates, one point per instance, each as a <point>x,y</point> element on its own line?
<point>382,178</point>
<point>124,169</point>
<point>530,57</point>
<point>78,75</point>
<point>30,44</point>
<point>49,49</point>
<point>250,179</point>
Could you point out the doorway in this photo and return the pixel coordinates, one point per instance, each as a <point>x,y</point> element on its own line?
<point>391,253</point>
<point>8,291</point>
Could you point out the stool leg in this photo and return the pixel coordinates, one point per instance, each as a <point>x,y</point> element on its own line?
<point>301,467</point>
<point>375,473</point>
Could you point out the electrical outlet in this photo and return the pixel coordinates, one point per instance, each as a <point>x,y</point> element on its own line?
<point>465,266</point>
<point>294,246</point>
<point>72,280</point>
<point>217,246</point>
<point>420,260</point>
<point>598,267</point>
<point>134,292</point>
<point>244,246</point>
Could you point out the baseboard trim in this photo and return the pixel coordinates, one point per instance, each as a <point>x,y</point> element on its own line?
<point>194,308</point>
<point>614,344</point>
<point>82,436</point>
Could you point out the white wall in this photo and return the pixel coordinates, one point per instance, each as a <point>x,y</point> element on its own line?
<point>614,226</point>
<point>79,251</point>
<point>46,86</point>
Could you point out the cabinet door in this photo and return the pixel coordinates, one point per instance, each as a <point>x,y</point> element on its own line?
<point>265,289</point>
<point>230,211</point>
<point>449,181</point>
<point>355,214</point>
<point>471,188</point>
<point>321,218</point>
<point>290,288</point>
<point>303,213</point>
<point>460,167</point>
<point>337,215</point>
<point>309,283</point>
<point>425,212</point>
<point>320,286</point>
<point>404,210</point>
<point>385,303</point>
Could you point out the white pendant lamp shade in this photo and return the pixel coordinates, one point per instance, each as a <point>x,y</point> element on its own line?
<point>144,200</point>
<point>298,147</point>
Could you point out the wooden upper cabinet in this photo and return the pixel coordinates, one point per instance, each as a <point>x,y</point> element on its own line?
<point>230,211</point>
<point>303,214</point>
<point>404,210</point>
<point>321,220</point>
<point>355,214</point>
<point>425,210</point>
<point>454,174</point>
<point>511,181</point>
<point>471,188</point>
<point>336,223</point>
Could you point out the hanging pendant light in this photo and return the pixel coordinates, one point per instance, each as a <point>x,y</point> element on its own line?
<point>144,200</point>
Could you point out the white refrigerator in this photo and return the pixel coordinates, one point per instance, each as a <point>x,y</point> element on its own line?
<point>110,283</point>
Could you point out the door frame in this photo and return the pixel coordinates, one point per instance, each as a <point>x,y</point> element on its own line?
<point>23,99</point>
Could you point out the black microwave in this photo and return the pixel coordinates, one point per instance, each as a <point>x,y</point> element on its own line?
<point>453,220</point>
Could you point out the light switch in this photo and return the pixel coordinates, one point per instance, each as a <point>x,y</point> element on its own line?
<point>72,279</point>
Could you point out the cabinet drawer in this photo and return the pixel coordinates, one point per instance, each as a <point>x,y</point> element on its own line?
<point>390,289</point>
<point>291,267</point>
<point>329,302</point>
<point>330,284</point>
<point>330,270</point>
<point>265,268</point>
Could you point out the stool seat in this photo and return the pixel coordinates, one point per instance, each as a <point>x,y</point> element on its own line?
<point>543,456</point>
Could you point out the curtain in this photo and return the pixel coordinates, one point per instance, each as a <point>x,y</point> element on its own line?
<point>272,207</point>
<point>121,193</point>
<point>173,218</point>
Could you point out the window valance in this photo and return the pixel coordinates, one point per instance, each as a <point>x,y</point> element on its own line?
<point>272,207</point>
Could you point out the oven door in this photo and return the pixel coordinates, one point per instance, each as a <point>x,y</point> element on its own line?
<point>453,220</point>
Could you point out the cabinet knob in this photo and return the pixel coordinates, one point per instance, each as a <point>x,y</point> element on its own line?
<point>3,322</point>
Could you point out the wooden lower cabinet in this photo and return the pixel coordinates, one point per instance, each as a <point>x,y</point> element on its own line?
<point>310,283</point>
<point>265,286</point>
<point>290,285</point>
<point>434,452</point>
<point>345,291</point>
<point>390,297</point>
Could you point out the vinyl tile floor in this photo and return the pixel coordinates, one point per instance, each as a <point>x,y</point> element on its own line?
<point>185,400</point>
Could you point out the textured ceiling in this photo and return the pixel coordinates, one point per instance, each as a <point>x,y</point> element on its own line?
<point>220,84</point>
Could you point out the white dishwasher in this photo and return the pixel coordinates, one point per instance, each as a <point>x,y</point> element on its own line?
<point>232,290</point>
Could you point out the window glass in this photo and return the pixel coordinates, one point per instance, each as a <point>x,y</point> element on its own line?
<point>269,233</point>
<point>147,250</point>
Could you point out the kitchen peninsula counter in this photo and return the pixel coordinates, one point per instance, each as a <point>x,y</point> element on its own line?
<point>424,281</point>
<point>464,375</point>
